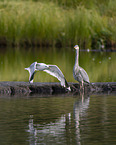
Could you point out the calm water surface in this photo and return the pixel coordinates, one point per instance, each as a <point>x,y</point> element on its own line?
<point>58,120</point>
<point>99,65</point>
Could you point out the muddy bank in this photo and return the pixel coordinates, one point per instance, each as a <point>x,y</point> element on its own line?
<point>40,89</point>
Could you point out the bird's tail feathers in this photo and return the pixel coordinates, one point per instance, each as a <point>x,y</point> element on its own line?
<point>91,84</point>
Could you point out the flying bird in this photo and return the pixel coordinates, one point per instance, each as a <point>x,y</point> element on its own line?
<point>79,73</point>
<point>52,70</point>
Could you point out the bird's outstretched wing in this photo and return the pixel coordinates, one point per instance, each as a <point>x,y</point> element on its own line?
<point>56,72</point>
<point>84,74</point>
<point>50,69</point>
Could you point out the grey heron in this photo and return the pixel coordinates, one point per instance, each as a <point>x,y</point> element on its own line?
<point>79,73</point>
<point>52,70</point>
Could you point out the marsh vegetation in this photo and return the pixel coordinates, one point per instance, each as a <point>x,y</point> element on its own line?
<point>58,23</point>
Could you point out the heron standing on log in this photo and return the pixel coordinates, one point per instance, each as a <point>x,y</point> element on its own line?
<point>79,73</point>
<point>50,69</point>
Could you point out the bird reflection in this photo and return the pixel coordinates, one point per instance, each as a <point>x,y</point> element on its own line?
<point>39,133</point>
<point>33,132</point>
<point>63,130</point>
<point>79,111</point>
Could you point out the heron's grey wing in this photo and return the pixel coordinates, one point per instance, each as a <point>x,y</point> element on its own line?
<point>41,66</point>
<point>84,74</point>
<point>56,72</point>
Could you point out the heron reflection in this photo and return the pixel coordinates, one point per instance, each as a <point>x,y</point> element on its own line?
<point>64,129</point>
<point>79,111</point>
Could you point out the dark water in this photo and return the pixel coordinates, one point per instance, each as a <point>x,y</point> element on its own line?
<point>58,120</point>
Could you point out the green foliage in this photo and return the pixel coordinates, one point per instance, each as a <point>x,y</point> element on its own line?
<point>57,22</point>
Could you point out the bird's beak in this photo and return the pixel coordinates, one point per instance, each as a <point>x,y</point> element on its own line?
<point>26,68</point>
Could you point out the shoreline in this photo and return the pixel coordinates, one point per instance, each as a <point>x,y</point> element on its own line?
<point>19,89</point>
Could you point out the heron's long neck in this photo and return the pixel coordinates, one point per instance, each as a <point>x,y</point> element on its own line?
<point>77,59</point>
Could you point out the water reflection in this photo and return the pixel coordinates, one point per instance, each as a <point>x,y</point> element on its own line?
<point>60,131</point>
<point>101,64</point>
<point>80,108</point>
<point>47,133</point>
<point>63,120</point>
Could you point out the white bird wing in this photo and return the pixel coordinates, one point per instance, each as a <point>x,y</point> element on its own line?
<point>41,66</point>
<point>56,72</point>
<point>84,74</point>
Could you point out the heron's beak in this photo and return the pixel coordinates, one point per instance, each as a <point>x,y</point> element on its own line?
<point>75,47</point>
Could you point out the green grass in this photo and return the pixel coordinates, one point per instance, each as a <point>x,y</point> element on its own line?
<point>57,23</point>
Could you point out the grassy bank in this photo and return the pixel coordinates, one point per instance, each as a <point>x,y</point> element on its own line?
<point>57,23</point>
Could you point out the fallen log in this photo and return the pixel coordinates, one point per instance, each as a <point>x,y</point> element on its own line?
<point>27,89</point>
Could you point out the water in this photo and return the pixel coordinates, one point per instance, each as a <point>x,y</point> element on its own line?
<point>58,120</point>
<point>99,65</point>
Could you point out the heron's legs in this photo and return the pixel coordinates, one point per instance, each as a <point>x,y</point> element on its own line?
<point>82,86</point>
<point>82,89</point>
<point>82,83</point>
<point>82,96</point>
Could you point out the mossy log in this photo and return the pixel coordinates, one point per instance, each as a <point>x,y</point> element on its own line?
<point>46,89</point>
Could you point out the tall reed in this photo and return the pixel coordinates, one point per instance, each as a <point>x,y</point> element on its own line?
<point>40,23</point>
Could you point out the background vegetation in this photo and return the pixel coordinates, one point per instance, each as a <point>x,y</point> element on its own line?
<point>58,23</point>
